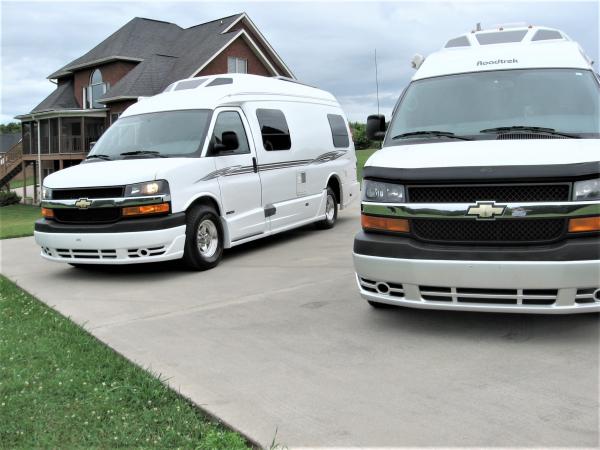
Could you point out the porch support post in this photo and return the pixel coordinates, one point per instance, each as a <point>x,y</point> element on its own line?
<point>24,169</point>
<point>39,149</point>
<point>35,178</point>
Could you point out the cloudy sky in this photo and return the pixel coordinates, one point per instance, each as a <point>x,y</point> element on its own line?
<point>329,45</point>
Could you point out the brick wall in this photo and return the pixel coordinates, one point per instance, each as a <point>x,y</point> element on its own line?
<point>242,26</point>
<point>238,48</point>
<point>111,73</point>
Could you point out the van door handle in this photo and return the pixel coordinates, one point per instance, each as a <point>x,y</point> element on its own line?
<point>254,164</point>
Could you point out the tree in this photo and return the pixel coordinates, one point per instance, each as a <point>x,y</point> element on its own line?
<point>359,135</point>
<point>10,128</point>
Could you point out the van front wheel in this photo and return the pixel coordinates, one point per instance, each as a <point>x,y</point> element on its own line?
<point>203,238</point>
<point>331,211</point>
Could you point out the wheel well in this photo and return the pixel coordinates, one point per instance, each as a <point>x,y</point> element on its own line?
<point>334,184</point>
<point>208,201</point>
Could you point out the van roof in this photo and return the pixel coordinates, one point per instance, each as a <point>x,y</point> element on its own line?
<point>521,47</point>
<point>230,89</point>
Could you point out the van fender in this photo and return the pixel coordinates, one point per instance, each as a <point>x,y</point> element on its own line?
<point>335,176</point>
<point>217,201</point>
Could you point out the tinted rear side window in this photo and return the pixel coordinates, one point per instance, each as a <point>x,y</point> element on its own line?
<point>274,129</point>
<point>338,130</point>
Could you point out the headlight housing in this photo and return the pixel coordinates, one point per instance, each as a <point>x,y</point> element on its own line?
<point>157,187</point>
<point>586,190</point>
<point>46,193</point>
<point>377,191</point>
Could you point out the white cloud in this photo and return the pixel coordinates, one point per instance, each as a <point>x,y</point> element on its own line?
<point>329,45</point>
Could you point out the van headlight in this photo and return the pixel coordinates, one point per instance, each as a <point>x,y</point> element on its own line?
<point>376,191</point>
<point>586,190</point>
<point>158,187</point>
<point>46,193</point>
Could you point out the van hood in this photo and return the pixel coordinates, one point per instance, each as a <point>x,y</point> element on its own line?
<point>487,153</point>
<point>113,173</point>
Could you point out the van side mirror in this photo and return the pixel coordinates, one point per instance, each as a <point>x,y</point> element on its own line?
<point>229,142</point>
<point>92,145</point>
<point>376,127</point>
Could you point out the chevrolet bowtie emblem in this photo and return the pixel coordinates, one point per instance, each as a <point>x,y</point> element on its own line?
<point>485,210</point>
<point>83,203</point>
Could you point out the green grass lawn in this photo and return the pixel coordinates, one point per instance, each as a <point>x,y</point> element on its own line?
<point>18,183</point>
<point>62,388</point>
<point>17,220</point>
<point>361,159</point>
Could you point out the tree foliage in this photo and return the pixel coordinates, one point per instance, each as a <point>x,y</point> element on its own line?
<point>359,136</point>
<point>10,128</point>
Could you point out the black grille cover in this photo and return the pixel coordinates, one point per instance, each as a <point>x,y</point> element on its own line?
<point>95,192</point>
<point>92,215</point>
<point>498,193</point>
<point>505,231</point>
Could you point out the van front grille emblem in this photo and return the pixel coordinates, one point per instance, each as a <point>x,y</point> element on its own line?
<point>83,203</point>
<point>485,210</point>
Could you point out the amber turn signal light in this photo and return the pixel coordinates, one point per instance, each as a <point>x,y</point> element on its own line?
<point>48,213</point>
<point>384,224</point>
<point>145,210</point>
<point>583,224</point>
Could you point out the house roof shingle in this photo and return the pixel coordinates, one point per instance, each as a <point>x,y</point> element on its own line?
<point>63,97</point>
<point>165,52</point>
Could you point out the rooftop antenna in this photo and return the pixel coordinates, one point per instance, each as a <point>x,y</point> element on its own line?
<point>377,81</point>
<point>478,26</point>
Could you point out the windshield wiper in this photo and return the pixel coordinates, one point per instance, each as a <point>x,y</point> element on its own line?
<point>433,133</point>
<point>144,152</point>
<point>104,157</point>
<point>499,130</point>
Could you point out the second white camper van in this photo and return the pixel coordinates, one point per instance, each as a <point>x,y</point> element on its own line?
<point>208,164</point>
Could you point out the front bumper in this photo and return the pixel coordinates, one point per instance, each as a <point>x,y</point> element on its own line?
<point>556,280</point>
<point>125,242</point>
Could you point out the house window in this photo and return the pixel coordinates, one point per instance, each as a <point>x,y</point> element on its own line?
<point>95,90</point>
<point>237,65</point>
<point>274,129</point>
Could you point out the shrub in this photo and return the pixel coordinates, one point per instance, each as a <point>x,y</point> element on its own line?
<point>8,198</point>
<point>359,135</point>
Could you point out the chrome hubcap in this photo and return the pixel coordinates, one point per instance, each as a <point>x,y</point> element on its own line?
<point>330,208</point>
<point>207,238</point>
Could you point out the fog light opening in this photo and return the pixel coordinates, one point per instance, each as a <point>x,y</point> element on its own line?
<point>143,252</point>
<point>597,295</point>
<point>382,288</point>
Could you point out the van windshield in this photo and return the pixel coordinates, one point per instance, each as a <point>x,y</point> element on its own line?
<point>564,100</point>
<point>160,134</point>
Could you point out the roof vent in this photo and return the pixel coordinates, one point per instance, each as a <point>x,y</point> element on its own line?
<point>189,84</point>
<point>220,81</point>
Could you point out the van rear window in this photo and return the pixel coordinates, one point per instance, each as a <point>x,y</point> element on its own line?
<point>339,132</point>
<point>274,129</point>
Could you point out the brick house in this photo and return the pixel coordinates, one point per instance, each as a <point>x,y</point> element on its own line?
<point>139,59</point>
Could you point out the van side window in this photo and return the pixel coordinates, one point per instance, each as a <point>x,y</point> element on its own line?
<point>339,131</point>
<point>274,129</point>
<point>222,144</point>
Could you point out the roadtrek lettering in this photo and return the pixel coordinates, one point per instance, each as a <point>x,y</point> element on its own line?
<point>498,61</point>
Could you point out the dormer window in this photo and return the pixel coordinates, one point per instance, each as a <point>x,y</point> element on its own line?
<point>96,89</point>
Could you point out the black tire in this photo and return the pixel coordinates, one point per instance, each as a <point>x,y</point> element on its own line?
<point>378,305</point>
<point>193,257</point>
<point>329,222</point>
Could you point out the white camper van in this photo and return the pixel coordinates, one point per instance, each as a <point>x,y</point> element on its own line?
<point>486,194</point>
<point>209,164</point>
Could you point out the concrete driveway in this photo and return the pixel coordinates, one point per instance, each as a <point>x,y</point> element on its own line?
<point>276,339</point>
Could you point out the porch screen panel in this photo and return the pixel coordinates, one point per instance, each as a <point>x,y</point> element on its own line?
<point>44,135</point>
